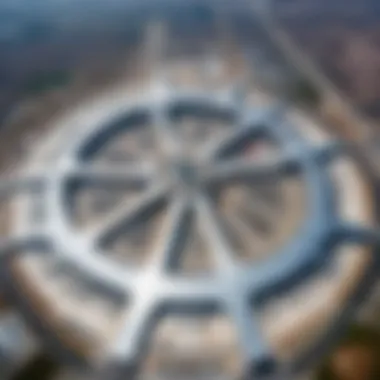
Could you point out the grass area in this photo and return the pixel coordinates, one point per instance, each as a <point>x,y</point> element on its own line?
<point>359,337</point>
<point>40,367</point>
<point>45,81</point>
<point>305,92</point>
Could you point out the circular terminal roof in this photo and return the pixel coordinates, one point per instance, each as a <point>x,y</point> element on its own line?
<point>190,233</point>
